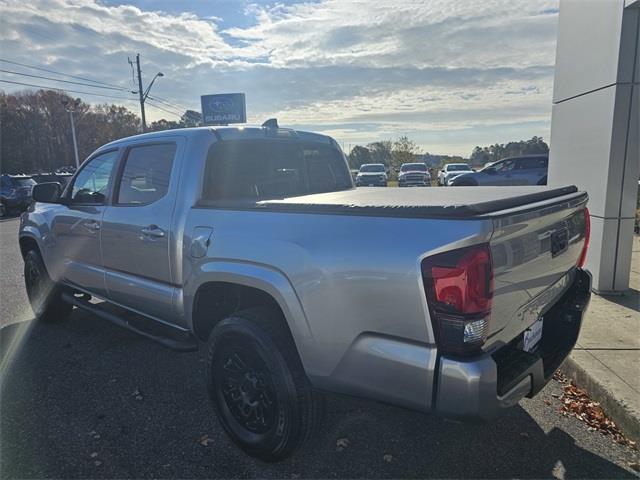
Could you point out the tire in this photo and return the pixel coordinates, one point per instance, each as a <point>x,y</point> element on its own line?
<point>43,293</point>
<point>257,385</point>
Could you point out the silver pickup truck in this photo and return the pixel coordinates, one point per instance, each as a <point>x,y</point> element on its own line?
<point>252,244</point>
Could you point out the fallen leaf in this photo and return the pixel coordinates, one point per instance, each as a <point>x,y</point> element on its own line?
<point>342,443</point>
<point>204,440</point>
<point>94,454</point>
<point>576,402</point>
<point>97,463</point>
<point>524,434</point>
<point>387,458</point>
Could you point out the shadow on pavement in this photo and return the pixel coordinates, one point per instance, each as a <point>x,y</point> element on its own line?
<point>630,299</point>
<point>85,399</point>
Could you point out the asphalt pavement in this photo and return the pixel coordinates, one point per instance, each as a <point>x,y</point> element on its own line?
<point>85,399</point>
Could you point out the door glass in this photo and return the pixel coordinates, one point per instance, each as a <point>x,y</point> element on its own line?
<point>146,174</point>
<point>92,183</point>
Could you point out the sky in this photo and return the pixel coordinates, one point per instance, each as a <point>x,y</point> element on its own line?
<point>449,74</point>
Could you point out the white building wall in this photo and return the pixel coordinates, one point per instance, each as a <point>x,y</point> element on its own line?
<point>595,126</point>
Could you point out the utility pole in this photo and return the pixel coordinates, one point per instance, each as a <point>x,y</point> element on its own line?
<point>144,120</point>
<point>143,93</point>
<point>71,109</point>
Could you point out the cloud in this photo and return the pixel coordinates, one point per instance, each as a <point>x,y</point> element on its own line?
<point>427,67</point>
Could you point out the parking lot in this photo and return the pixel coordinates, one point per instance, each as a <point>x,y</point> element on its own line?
<point>85,399</point>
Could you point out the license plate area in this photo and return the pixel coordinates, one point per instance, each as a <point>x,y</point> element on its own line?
<point>532,336</point>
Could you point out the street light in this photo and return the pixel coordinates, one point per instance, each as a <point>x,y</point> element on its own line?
<point>71,108</point>
<point>143,93</point>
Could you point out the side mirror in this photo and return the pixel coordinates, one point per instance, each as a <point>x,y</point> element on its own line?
<point>48,192</point>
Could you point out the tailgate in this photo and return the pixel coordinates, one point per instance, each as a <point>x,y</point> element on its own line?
<point>534,252</point>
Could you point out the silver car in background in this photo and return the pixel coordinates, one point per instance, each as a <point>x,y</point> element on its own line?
<point>525,170</point>
<point>372,175</point>
<point>452,170</point>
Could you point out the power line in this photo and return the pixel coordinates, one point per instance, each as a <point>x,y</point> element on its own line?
<point>58,80</point>
<point>179,115</point>
<point>63,74</point>
<point>65,90</point>
<point>169,104</point>
<point>168,110</point>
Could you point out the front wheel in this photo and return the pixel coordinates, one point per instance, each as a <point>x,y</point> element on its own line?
<point>43,294</point>
<point>258,387</point>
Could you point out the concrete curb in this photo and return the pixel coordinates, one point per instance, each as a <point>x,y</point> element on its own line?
<point>617,410</point>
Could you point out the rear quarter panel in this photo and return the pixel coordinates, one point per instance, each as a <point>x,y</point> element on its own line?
<point>350,274</point>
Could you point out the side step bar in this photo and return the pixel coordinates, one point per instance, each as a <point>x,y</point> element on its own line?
<point>187,345</point>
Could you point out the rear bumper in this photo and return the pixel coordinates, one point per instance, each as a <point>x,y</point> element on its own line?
<point>371,183</point>
<point>482,387</point>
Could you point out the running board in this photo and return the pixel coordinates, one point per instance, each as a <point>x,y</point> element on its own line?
<point>187,345</point>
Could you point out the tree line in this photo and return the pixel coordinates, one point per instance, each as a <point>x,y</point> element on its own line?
<point>403,150</point>
<point>35,135</point>
<point>35,129</point>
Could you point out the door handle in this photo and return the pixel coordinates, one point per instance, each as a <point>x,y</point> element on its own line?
<point>92,225</point>
<point>153,231</point>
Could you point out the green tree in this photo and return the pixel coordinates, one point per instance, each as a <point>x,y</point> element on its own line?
<point>381,152</point>
<point>358,156</point>
<point>404,151</point>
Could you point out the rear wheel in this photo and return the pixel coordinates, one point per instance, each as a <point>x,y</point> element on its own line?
<point>258,387</point>
<point>44,295</point>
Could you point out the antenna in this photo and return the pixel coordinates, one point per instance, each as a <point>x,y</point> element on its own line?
<point>271,123</point>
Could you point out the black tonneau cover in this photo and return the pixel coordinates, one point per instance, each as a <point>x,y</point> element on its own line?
<point>449,202</point>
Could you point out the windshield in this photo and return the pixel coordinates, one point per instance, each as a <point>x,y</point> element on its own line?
<point>24,182</point>
<point>372,168</point>
<point>458,168</point>
<point>413,167</point>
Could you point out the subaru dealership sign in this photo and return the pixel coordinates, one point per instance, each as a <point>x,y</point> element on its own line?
<point>223,108</point>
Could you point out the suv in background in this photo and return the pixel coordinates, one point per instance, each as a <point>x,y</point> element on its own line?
<point>372,175</point>
<point>525,170</point>
<point>414,175</point>
<point>15,192</point>
<point>452,170</point>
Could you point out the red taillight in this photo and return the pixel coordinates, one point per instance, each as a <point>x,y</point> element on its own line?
<point>459,289</point>
<point>587,236</point>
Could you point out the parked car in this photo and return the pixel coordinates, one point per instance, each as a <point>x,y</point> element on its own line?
<point>15,192</point>
<point>372,175</point>
<point>252,244</point>
<point>62,178</point>
<point>525,170</point>
<point>414,175</point>
<point>451,170</point>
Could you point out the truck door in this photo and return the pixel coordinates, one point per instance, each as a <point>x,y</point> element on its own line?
<point>137,228</point>
<point>77,224</point>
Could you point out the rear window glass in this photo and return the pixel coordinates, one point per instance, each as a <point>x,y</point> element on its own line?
<point>457,168</point>
<point>273,169</point>
<point>24,182</point>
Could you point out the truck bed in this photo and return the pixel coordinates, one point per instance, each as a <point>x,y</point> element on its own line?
<point>453,202</point>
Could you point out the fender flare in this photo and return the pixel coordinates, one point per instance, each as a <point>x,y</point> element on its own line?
<point>262,277</point>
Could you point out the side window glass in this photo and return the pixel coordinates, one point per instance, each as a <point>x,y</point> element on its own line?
<point>92,183</point>
<point>326,169</point>
<point>146,174</point>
